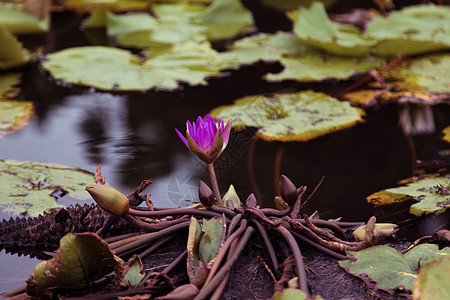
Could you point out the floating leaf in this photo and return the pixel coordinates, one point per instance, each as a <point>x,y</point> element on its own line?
<point>13,114</point>
<point>18,20</point>
<point>290,117</point>
<point>426,73</point>
<point>430,192</point>
<point>446,134</point>
<point>288,5</point>
<point>293,294</point>
<point>12,54</point>
<point>31,188</point>
<point>390,269</point>
<point>313,26</point>
<point>85,6</point>
<point>412,30</point>
<point>432,281</point>
<point>109,68</point>
<point>80,259</point>
<point>301,62</point>
<point>381,230</point>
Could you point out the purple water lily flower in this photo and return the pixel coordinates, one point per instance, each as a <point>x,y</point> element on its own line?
<point>206,138</point>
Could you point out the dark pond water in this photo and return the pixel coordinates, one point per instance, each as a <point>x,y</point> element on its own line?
<point>133,137</point>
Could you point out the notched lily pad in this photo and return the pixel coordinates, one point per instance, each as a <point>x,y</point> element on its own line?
<point>109,68</point>
<point>13,114</point>
<point>432,193</point>
<point>80,259</point>
<point>31,188</point>
<point>290,117</point>
<point>432,281</point>
<point>388,269</point>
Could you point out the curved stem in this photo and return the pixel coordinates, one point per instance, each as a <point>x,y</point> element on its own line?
<point>208,289</point>
<point>221,255</point>
<point>219,290</point>
<point>301,273</point>
<point>236,219</point>
<point>173,264</point>
<point>269,246</point>
<point>155,246</point>
<point>172,212</point>
<point>215,186</point>
<point>272,212</point>
<point>151,237</point>
<point>222,210</point>
<point>328,224</point>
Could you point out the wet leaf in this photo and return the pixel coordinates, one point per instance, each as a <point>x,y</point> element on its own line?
<point>301,62</point>
<point>232,196</point>
<point>135,273</point>
<point>430,192</point>
<point>413,30</point>
<point>80,259</point>
<point>15,18</point>
<point>13,114</point>
<point>290,117</point>
<point>115,69</point>
<point>389,269</point>
<point>313,26</point>
<point>31,188</point>
<point>12,54</point>
<point>381,230</point>
<point>432,281</point>
<point>426,73</point>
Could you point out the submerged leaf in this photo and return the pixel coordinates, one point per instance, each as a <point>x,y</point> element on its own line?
<point>31,188</point>
<point>432,281</point>
<point>80,259</point>
<point>390,269</point>
<point>412,30</point>
<point>430,191</point>
<point>290,117</point>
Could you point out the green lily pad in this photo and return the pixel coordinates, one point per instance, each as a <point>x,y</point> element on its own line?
<point>86,6</point>
<point>14,115</point>
<point>109,68</point>
<point>293,294</point>
<point>426,73</point>
<point>12,54</point>
<point>389,269</point>
<point>301,61</point>
<point>80,259</point>
<point>432,281</point>
<point>446,134</point>
<point>18,20</point>
<point>203,245</point>
<point>430,192</point>
<point>31,188</point>
<point>290,117</point>
<point>413,30</point>
<point>135,273</point>
<point>313,26</point>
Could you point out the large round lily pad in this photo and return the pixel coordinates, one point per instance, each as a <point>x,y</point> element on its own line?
<point>32,188</point>
<point>290,117</point>
<point>109,68</point>
<point>430,191</point>
<point>389,269</point>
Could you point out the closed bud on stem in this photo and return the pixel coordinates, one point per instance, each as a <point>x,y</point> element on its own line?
<point>205,194</point>
<point>251,201</point>
<point>109,198</point>
<point>288,191</point>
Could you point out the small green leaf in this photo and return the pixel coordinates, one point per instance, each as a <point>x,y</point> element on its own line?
<point>446,134</point>
<point>31,188</point>
<point>231,195</point>
<point>194,236</point>
<point>390,269</point>
<point>211,240</point>
<point>12,54</point>
<point>432,281</point>
<point>290,117</point>
<point>18,20</point>
<point>135,274</point>
<point>80,259</point>
<point>293,294</point>
<point>430,192</point>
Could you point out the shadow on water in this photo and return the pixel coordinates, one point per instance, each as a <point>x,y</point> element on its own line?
<point>133,136</point>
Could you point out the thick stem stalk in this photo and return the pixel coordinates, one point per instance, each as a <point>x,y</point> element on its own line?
<point>215,185</point>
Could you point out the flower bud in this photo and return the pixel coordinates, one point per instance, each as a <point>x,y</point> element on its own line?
<point>381,230</point>
<point>109,198</point>
<point>288,191</point>
<point>251,201</point>
<point>205,194</point>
